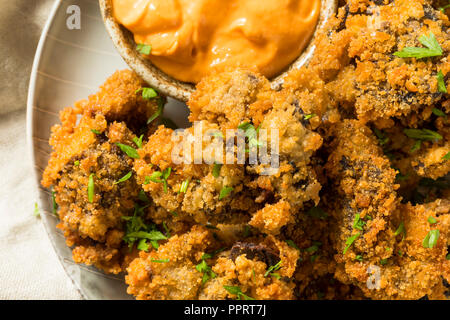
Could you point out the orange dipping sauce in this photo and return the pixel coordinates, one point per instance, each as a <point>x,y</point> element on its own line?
<point>190,38</point>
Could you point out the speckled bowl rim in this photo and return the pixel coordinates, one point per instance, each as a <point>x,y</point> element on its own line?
<point>125,45</point>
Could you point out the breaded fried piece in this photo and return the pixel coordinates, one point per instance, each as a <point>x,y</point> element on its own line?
<point>225,98</point>
<point>87,163</point>
<point>200,201</point>
<point>414,271</point>
<point>247,268</point>
<point>360,49</point>
<point>365,198</point>
<point>170,273</point>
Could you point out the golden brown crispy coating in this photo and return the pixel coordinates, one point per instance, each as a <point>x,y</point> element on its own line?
<point>359,49</point>
<point>348,208</point>
<point>87,149</point>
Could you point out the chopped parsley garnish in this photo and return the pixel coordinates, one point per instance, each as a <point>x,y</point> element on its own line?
<point>161,177</point>
<point>130,151</point>
<point>147,93</point>
<point>158,112</point>
<point>238,292</point>
<point>225,192</point>
<point>447,156</point>
<point>442,9</point>
<point>382,139</point>
<point>151,235</point>
<point>143,197</point>
<point>138,141</point>
<point>359,258</point>
<point>431,239</point>
<point>383,262</point>
<point>442,88</point>
<point>55,205</point>
<point>160,261</point>
<point>400,230</point>
<point>36,210</point>
<point>144,48</point>
<point>433,49</point>
<point>251,134</point>
<point>95,131</point>
<point>432,220</point>
<point>350,241</point>
<point>273,268</point>
<point>246,232</point>
<point>416,146</point>
<point>292,244</point>
<point>216,170</point>
<point>76,163</point>
<point>358,223</point>
<point>447,256</point>
<point>91,188</point>
<point>438,112</point>
<point>137,230</point>
<point>309,116</point>
<point>124,178</point>
<point>422,134</point>
<point>143,245</point>
<point>184,186</point>
<point>317,212</point>
<point>203,267</point>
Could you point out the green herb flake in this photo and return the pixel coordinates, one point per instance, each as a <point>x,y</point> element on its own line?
<point>138,141</point>
<point>382,139</point>
<point>438,112</point>
<point>292,244</point>
<point>160,261</point>
<point>442,9</point>
<point>237,292</point>
<point>400,230</point>
<point>161,177</point>
<point>273,268</point>
<point>318,213</point>
<point>204,268</point>
<point>91,188</point>
<point>129,151</point>
<point>184,186</point>
<point>358,223</point>
<point>447,256</point>
<point>431,239</point>
<point>359,258</point>
<point>225,192</point>
<point>143,245</point>
<point>124,178</point>
<point>95,131</point>
<point>422,134</point>
<point>447,156</point>
<point>144,48</point>
<point>76,163</point>
<point>143,197</point>
<point>36,210</point>
<point>383,262</point>
<point>216,170</point>
<point>432,220</point>
<point>433,49</point>
<point>416,146</point>
<point>151,235</point>
<point>442,88</point>
<point>350,241</point>
<point>158,112</point>
<point>309,116</point>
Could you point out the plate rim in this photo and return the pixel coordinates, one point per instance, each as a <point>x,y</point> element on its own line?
<point>30,127</point>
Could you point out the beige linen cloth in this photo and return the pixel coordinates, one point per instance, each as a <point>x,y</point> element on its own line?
<point>29,268</point>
